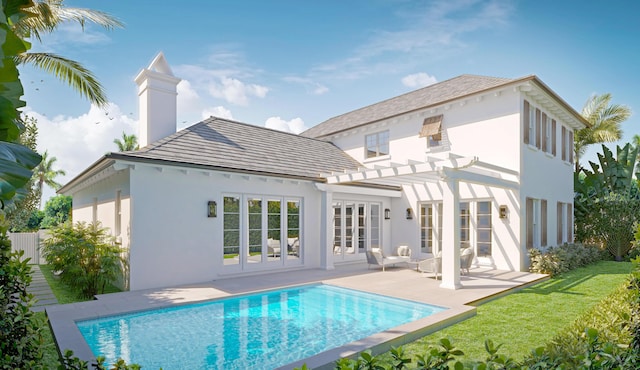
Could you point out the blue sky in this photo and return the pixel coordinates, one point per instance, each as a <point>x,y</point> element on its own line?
<point>293,64</point>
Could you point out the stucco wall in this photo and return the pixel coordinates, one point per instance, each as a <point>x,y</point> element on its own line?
<point>174,242</point>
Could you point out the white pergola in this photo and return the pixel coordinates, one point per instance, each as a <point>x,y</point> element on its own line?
<point>450,171</point>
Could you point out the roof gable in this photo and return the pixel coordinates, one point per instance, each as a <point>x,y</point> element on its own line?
<point>226,144</point>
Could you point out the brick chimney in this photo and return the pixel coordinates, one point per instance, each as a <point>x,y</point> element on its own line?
<point>157,96</point>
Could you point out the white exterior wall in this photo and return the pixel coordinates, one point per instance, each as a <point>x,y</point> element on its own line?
<point>103,193</point>
<point>174,242</point>
<point>546,176</point>
<point>490,127</point>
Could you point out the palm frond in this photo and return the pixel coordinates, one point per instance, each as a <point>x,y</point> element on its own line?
<point>70,72</point>
<point>42,21</point>
<point>49,14</point>
<point>97,17</point>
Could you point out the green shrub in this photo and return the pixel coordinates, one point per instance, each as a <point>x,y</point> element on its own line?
<point>86,256</point>
<point>20,337</point>
<point>564,258</point>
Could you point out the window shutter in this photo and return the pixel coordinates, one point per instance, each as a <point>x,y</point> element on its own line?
<point>529,207</point>
<point>559,221</point>
<point>538,131</point>
<point>569,223</point>
<point>543,221</point>
<point>525,122</point>
<point>431,126</point>
<point>564,143</point>
<point>544,133</point>
<point>553,137</point>
<point>570,145</point>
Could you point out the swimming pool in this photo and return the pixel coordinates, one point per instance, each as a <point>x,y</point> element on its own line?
<point>257,331</point>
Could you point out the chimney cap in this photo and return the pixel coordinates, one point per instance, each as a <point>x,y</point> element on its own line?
<point>159,68</point>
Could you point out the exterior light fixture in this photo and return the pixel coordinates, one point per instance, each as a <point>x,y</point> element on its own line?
<point>409,214</point>
<point>387,213</point>
<point>212,209</point>
<point>504,211</point>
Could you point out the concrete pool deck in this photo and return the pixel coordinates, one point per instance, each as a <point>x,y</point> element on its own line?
<point>479,286</point>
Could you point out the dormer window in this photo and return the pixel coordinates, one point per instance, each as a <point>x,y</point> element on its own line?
<point>377,144</point>
<point>432,130</point>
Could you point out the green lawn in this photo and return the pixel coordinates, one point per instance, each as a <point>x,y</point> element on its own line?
<point>64,295</point>
<point>62,292</point>
<point>531,317</point>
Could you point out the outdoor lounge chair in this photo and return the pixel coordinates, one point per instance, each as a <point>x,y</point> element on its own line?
<point>273,247</point>
<point>376,257</point>
<point>433,265</point>
<point>466,259</point>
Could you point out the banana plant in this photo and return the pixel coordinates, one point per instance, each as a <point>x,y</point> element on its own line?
<point>16,161</point>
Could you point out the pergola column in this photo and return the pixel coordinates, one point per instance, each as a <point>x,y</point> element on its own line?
<point>451,234</point>
<point>326,231</point>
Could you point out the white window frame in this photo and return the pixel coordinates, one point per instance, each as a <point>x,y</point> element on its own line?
<point>355,237</point>
<point>244,230</point>
<point>536,223</point>
<point>379,143</point>
<point>436,227</point>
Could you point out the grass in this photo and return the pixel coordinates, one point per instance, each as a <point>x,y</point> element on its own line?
<point>531,317</point>
<point>64,294</point>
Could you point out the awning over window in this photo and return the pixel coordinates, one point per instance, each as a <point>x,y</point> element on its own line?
<point>431,127</point>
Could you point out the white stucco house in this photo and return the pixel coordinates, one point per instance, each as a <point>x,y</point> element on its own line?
<point>473,161</point>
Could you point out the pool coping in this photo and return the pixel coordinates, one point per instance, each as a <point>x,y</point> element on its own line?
<point>63,318</point>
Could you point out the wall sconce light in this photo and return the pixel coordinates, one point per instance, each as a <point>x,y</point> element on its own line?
<point>409,214</point>
<point>504,211</point>
<point>387,213</point>
<point>212,209</point>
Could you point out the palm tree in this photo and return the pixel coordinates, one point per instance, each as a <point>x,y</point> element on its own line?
<point>128,142</point>
<point>47,16</point>
<point>45,174</point>
<point>605,119</point>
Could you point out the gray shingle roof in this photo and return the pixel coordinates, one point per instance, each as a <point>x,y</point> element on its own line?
<point>431,95</point>
<point>236,146</point>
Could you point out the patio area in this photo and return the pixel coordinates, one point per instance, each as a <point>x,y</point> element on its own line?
<point>480,285</point>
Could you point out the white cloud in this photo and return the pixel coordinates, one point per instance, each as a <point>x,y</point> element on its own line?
<point>219,111</point>
<point>427,30</point>
<point>235,91</point>
<point>77,142</point>
<point>188,98</point>
<point>67,34</point>
<point>420,79</point>
<point>311,86</point>
<point>295,125</point>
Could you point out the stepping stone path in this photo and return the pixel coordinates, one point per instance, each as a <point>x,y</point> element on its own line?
<point>40,290</point>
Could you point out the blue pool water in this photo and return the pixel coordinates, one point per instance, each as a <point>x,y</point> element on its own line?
<point>258,331</point>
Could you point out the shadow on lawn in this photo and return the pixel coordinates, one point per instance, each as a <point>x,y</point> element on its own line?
<point>565,282</point>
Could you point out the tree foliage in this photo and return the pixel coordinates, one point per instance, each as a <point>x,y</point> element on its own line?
<point>48,15</point>
<point>604,119</point>
<point>45,174</point>
<point>86,256</point>
<point>16,161</point>
<point>607,201</point>
<point>127,143</point>
<point>56,212</point>
<point>23,209</point>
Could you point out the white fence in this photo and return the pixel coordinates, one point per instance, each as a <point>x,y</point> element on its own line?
<point>30,244</point>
